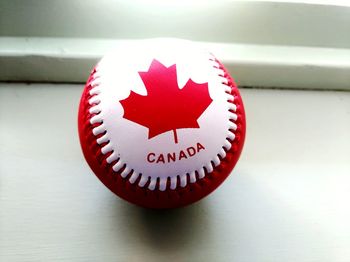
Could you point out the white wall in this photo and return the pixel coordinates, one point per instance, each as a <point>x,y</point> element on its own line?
<point>253,22</point>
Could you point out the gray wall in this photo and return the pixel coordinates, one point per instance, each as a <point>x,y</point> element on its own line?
<point>267,23</point>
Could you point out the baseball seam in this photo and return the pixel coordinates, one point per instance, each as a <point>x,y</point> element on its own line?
<point>119,166</point>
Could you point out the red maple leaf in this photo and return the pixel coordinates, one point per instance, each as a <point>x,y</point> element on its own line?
<point>166,107</point>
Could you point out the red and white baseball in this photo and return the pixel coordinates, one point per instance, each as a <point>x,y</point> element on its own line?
<point>161,122</point>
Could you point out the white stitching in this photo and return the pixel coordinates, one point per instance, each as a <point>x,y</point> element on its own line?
<point>119,165</point>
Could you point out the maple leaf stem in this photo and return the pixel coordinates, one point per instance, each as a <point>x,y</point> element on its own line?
<point>175,136</point>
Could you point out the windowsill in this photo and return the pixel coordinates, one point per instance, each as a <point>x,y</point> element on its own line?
<point>286,200</point>
<point>71,60</point>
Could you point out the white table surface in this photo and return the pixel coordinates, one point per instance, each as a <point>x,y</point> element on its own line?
<point>287,199</point>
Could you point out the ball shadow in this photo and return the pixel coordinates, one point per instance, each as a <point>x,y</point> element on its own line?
<point>166,230</point>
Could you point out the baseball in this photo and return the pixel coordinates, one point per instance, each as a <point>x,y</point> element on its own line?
<point>161,122</point>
